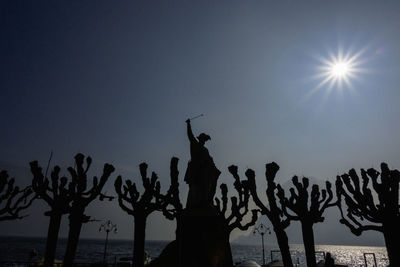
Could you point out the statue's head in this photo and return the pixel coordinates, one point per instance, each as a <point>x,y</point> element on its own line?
<point>203,138</point>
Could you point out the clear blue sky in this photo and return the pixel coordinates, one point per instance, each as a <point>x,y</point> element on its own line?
<point>117,79</point>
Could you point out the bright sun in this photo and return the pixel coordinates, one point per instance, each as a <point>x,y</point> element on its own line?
<point>338,70</point>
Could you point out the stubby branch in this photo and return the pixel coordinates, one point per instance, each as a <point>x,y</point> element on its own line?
<point>82,195</point>
<point>12,199</point>
<point>364,212</point>
<point>272,210</point>
<point>308,208</point>
<point>239,204</point>
<point>171,203</point>
<point>140,206</point>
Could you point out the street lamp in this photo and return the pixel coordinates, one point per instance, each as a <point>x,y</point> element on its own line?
<point>108,226</point>
<point>262,230</point>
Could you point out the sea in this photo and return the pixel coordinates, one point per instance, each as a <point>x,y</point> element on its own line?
<point>18,249</point>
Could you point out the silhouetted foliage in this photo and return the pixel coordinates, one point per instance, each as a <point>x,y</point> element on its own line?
<point>12,199</point>
<point>81,198</point>
<point>381,212</point>
<point>239,205</point>
<point>141,206</point>
<point>307,209</point>
<point>272,210</point>
<point>57,194</point>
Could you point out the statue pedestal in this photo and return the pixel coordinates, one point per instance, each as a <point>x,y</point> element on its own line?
<point>202,238</point>
<point>203,241</point>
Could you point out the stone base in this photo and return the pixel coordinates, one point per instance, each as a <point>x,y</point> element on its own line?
<point>203,241</point>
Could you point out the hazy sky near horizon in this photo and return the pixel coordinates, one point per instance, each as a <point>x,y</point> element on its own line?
<point>116,80</point>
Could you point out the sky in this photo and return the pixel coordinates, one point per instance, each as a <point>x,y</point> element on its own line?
<point>117,80</point>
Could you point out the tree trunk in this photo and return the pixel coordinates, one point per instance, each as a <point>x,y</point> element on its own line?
<point>75,226</point>
<point>139,239</point>
<point>283,246</point>
<point>392,235</point>
<point>51,242</point>
<point>309,246</point>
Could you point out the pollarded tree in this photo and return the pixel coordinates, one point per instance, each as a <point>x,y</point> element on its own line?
<point>12,199</point>
<point>57,194</point>
<point>239,205</point>
<point>171,203</point>
<point>273,212</point>
<point>172,209</point>
<point>141,206</point>
<point>308,209</point>
<point>81,198</point>
<point>382,212</point>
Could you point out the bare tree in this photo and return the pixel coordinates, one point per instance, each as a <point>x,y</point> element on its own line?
<point>171,203</point>
<point>172,209</point>
<point>307,209</point>
<point>141,206</point>
<point>379,213</point>
<point>57,195</point>
<point>81,198</point>
<point>239,205</point>
<point>273,212</point>
<point>12,199</point>
<point>239,208</point>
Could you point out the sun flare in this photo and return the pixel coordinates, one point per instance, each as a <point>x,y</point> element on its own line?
<point>337,71</point>
<point>340,69</point>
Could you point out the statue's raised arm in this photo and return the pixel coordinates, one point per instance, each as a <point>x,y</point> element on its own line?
<point>190,134</point>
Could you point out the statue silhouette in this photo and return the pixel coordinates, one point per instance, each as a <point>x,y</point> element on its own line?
<point>201,174</point>
<point>202,231</point>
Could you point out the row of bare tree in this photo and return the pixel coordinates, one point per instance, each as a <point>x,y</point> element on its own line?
<point>376,205</point>
<point>372,197</point>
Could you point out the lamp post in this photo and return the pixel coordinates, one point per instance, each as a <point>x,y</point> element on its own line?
<point>108,226</point>
<point>262,230</point>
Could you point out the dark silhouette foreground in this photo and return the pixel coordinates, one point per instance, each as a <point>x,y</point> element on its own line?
<point>308,209</point>
<point>202,233</point>
<point>57,195</point>
<point>205,224</point>
<point>239,204</point>
<point>12,199</point>
<point>67,197</point>
<point>201,173</point>
<point>273,212</point>
<point>141,206</point>
<point>382,213</point>
<point>82,196</point>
